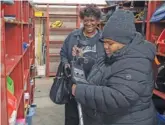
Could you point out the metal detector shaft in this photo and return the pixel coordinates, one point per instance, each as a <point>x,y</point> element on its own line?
<point>81,122</point>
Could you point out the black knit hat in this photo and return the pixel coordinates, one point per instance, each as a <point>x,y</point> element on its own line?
<point>120,27</point>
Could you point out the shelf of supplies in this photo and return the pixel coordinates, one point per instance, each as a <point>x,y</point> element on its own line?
<point>54,54</point>
<point>160,54</point>
<point>11,63</point>
<point>160,94</point>
<point>56,42</point>
<point>8,21</point>
<point>16,59</point>
<point>62,29</point>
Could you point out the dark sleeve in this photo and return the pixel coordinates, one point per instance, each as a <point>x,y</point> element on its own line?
<point>97,72</point>
<point>101,51</point>
<point>120,93</point>
<point>64,50</point>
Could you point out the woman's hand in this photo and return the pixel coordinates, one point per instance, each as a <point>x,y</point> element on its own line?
<point>73,89</point>
<point>76,51</point>
<point>67,65</point>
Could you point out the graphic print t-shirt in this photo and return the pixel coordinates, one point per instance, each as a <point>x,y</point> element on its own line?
<point>89,52</point>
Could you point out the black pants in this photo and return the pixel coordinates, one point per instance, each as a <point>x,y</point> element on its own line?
<point>71,113</point>
<point>72,117</point>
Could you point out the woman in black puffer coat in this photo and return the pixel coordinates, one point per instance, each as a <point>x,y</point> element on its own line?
<point>120,91</point>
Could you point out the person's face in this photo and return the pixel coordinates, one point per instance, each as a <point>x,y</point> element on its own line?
<point>111,46</point>
<point>90,24</point>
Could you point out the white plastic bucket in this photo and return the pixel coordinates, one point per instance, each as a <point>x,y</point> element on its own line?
<point>41,70</point>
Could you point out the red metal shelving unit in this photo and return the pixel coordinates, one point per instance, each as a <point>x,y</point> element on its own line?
<point>15,60</point>
<point>4,117</point>
<point>153,34</point>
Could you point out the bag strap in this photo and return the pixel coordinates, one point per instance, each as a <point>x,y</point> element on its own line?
<point>60,70</point>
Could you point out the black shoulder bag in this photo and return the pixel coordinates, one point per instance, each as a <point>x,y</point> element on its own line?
<point>60,90</point>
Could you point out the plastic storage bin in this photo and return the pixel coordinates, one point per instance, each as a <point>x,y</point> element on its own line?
<point>12,103</point>
<point>161,119</point>
<point>10,85</point>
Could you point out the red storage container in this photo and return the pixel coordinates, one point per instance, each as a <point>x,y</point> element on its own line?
<point>12,103</point>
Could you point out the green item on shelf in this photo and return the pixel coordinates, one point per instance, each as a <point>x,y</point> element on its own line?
<point>10,85</point>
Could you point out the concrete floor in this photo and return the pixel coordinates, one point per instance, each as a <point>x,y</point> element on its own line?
<point>47,113</point>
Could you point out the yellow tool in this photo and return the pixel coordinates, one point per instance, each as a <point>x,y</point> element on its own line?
<point>139,15</point>
<point>56,24</point>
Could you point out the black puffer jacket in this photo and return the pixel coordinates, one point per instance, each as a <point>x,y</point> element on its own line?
<point>120,92</point>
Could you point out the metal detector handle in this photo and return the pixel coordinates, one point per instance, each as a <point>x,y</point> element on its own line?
<point>81,120</point>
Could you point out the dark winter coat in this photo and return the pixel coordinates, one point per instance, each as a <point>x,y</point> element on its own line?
<point>120,92</point>
<point>74,38</point>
